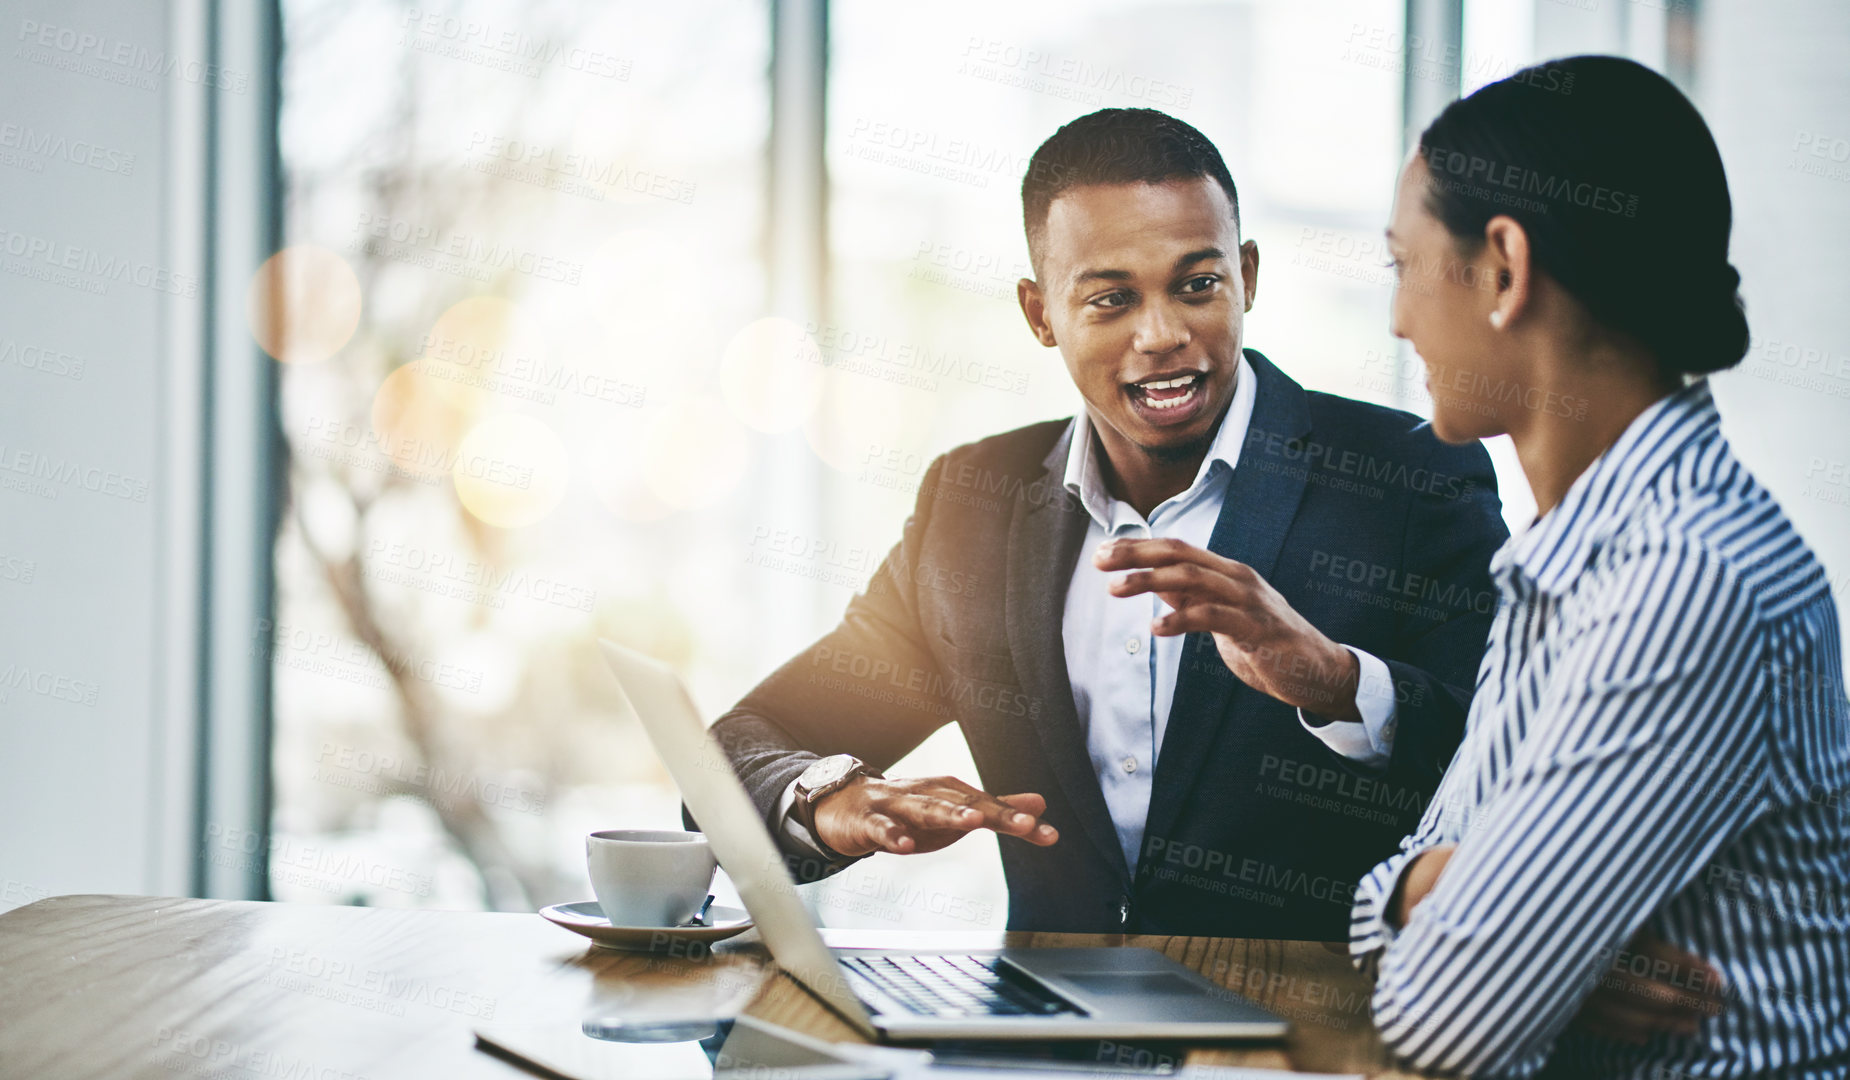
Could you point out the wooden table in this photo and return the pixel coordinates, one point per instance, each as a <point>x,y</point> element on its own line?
<point>126,986</point>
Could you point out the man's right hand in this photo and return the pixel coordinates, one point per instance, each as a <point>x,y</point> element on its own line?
<point>916,814</point>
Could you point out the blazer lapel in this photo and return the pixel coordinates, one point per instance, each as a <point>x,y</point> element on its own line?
<point>1262,499</point>
<point>1045,534</point>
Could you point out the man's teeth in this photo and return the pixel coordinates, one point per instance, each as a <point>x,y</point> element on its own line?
<point>1186,384</point>
<point>1170,403</point>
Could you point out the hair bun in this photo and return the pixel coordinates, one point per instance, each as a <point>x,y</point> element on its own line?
<point>1706,330</point>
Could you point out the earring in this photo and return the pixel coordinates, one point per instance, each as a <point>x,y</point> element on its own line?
<point>1496,320</point>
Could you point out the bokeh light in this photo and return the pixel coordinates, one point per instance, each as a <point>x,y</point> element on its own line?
<point>419,419</point>
<point>303,304</point>
<point>511,471</point>
<point>862,417</point>
<point>478,338</point>
<point>771,374</point>
<point>693,452</point>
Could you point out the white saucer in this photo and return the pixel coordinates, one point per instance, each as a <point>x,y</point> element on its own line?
<point>586,918</point>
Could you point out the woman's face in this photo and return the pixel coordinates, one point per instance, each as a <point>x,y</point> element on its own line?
<point>1442,305</point>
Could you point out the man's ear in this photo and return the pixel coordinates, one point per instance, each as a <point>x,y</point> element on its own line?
<point>1034,308</point>
<point>1249,270</point>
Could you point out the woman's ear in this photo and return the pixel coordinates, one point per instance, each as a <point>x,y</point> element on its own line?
<point>1508,273</point>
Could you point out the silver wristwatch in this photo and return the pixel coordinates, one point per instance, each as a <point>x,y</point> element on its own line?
<point>825,776</point>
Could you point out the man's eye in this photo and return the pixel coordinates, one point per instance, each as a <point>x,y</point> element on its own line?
<point>1204,283</point>
<point>1112,300</point>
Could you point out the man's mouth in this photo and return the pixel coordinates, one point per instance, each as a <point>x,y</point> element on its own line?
<point>1168,399</point>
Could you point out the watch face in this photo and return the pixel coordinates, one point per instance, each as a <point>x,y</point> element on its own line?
<point>826,771</point>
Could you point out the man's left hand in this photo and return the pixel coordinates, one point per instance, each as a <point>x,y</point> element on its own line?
<point>1263,639</point>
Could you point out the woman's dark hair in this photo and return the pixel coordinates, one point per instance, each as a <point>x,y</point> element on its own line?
<point>1617,182</point>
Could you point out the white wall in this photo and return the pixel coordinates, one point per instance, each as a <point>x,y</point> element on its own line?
<point>1773,81</point>
<point>118,379</point>
<point>82,783</point>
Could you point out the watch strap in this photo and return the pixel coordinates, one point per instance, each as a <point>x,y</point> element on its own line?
<point>803,809</point>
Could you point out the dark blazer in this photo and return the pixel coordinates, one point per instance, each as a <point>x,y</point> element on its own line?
<point>1374,530</point>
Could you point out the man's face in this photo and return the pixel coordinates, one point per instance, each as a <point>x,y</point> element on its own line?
<point>1142,285</point>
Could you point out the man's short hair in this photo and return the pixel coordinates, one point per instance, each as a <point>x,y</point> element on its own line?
<point>1116,146</point>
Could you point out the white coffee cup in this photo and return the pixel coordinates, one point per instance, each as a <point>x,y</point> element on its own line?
<point>649,877</point>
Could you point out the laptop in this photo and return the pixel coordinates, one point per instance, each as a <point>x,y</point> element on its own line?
<point>907,996</point>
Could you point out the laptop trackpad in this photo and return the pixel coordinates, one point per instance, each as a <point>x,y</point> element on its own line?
<point>1107,984</point>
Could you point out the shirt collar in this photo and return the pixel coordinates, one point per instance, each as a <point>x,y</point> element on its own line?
<point>1553,551</point>
<point>1082,473</point>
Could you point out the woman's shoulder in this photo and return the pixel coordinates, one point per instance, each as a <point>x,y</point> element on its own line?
<point>1708,516</point>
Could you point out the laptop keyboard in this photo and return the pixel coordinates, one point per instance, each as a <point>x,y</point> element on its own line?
<point>955,986</point>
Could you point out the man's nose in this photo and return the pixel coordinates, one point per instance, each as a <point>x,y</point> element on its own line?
<point>1160,329</point>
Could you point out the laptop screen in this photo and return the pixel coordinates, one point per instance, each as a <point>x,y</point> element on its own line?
<point>732,826</point>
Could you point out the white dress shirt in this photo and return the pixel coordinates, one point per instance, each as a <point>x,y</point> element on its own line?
<point>1123,676</point>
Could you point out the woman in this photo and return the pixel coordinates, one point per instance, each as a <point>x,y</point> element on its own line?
<point>1637,862</point>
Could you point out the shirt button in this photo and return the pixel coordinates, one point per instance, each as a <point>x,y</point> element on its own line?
<point>1131,645</point>
<point>1130,764</point>
<point>1124,911</point>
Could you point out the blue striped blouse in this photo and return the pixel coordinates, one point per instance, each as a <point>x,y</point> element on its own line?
<point>1659,740</point>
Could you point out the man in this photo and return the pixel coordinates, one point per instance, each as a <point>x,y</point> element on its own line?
<point>1213,724</point>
